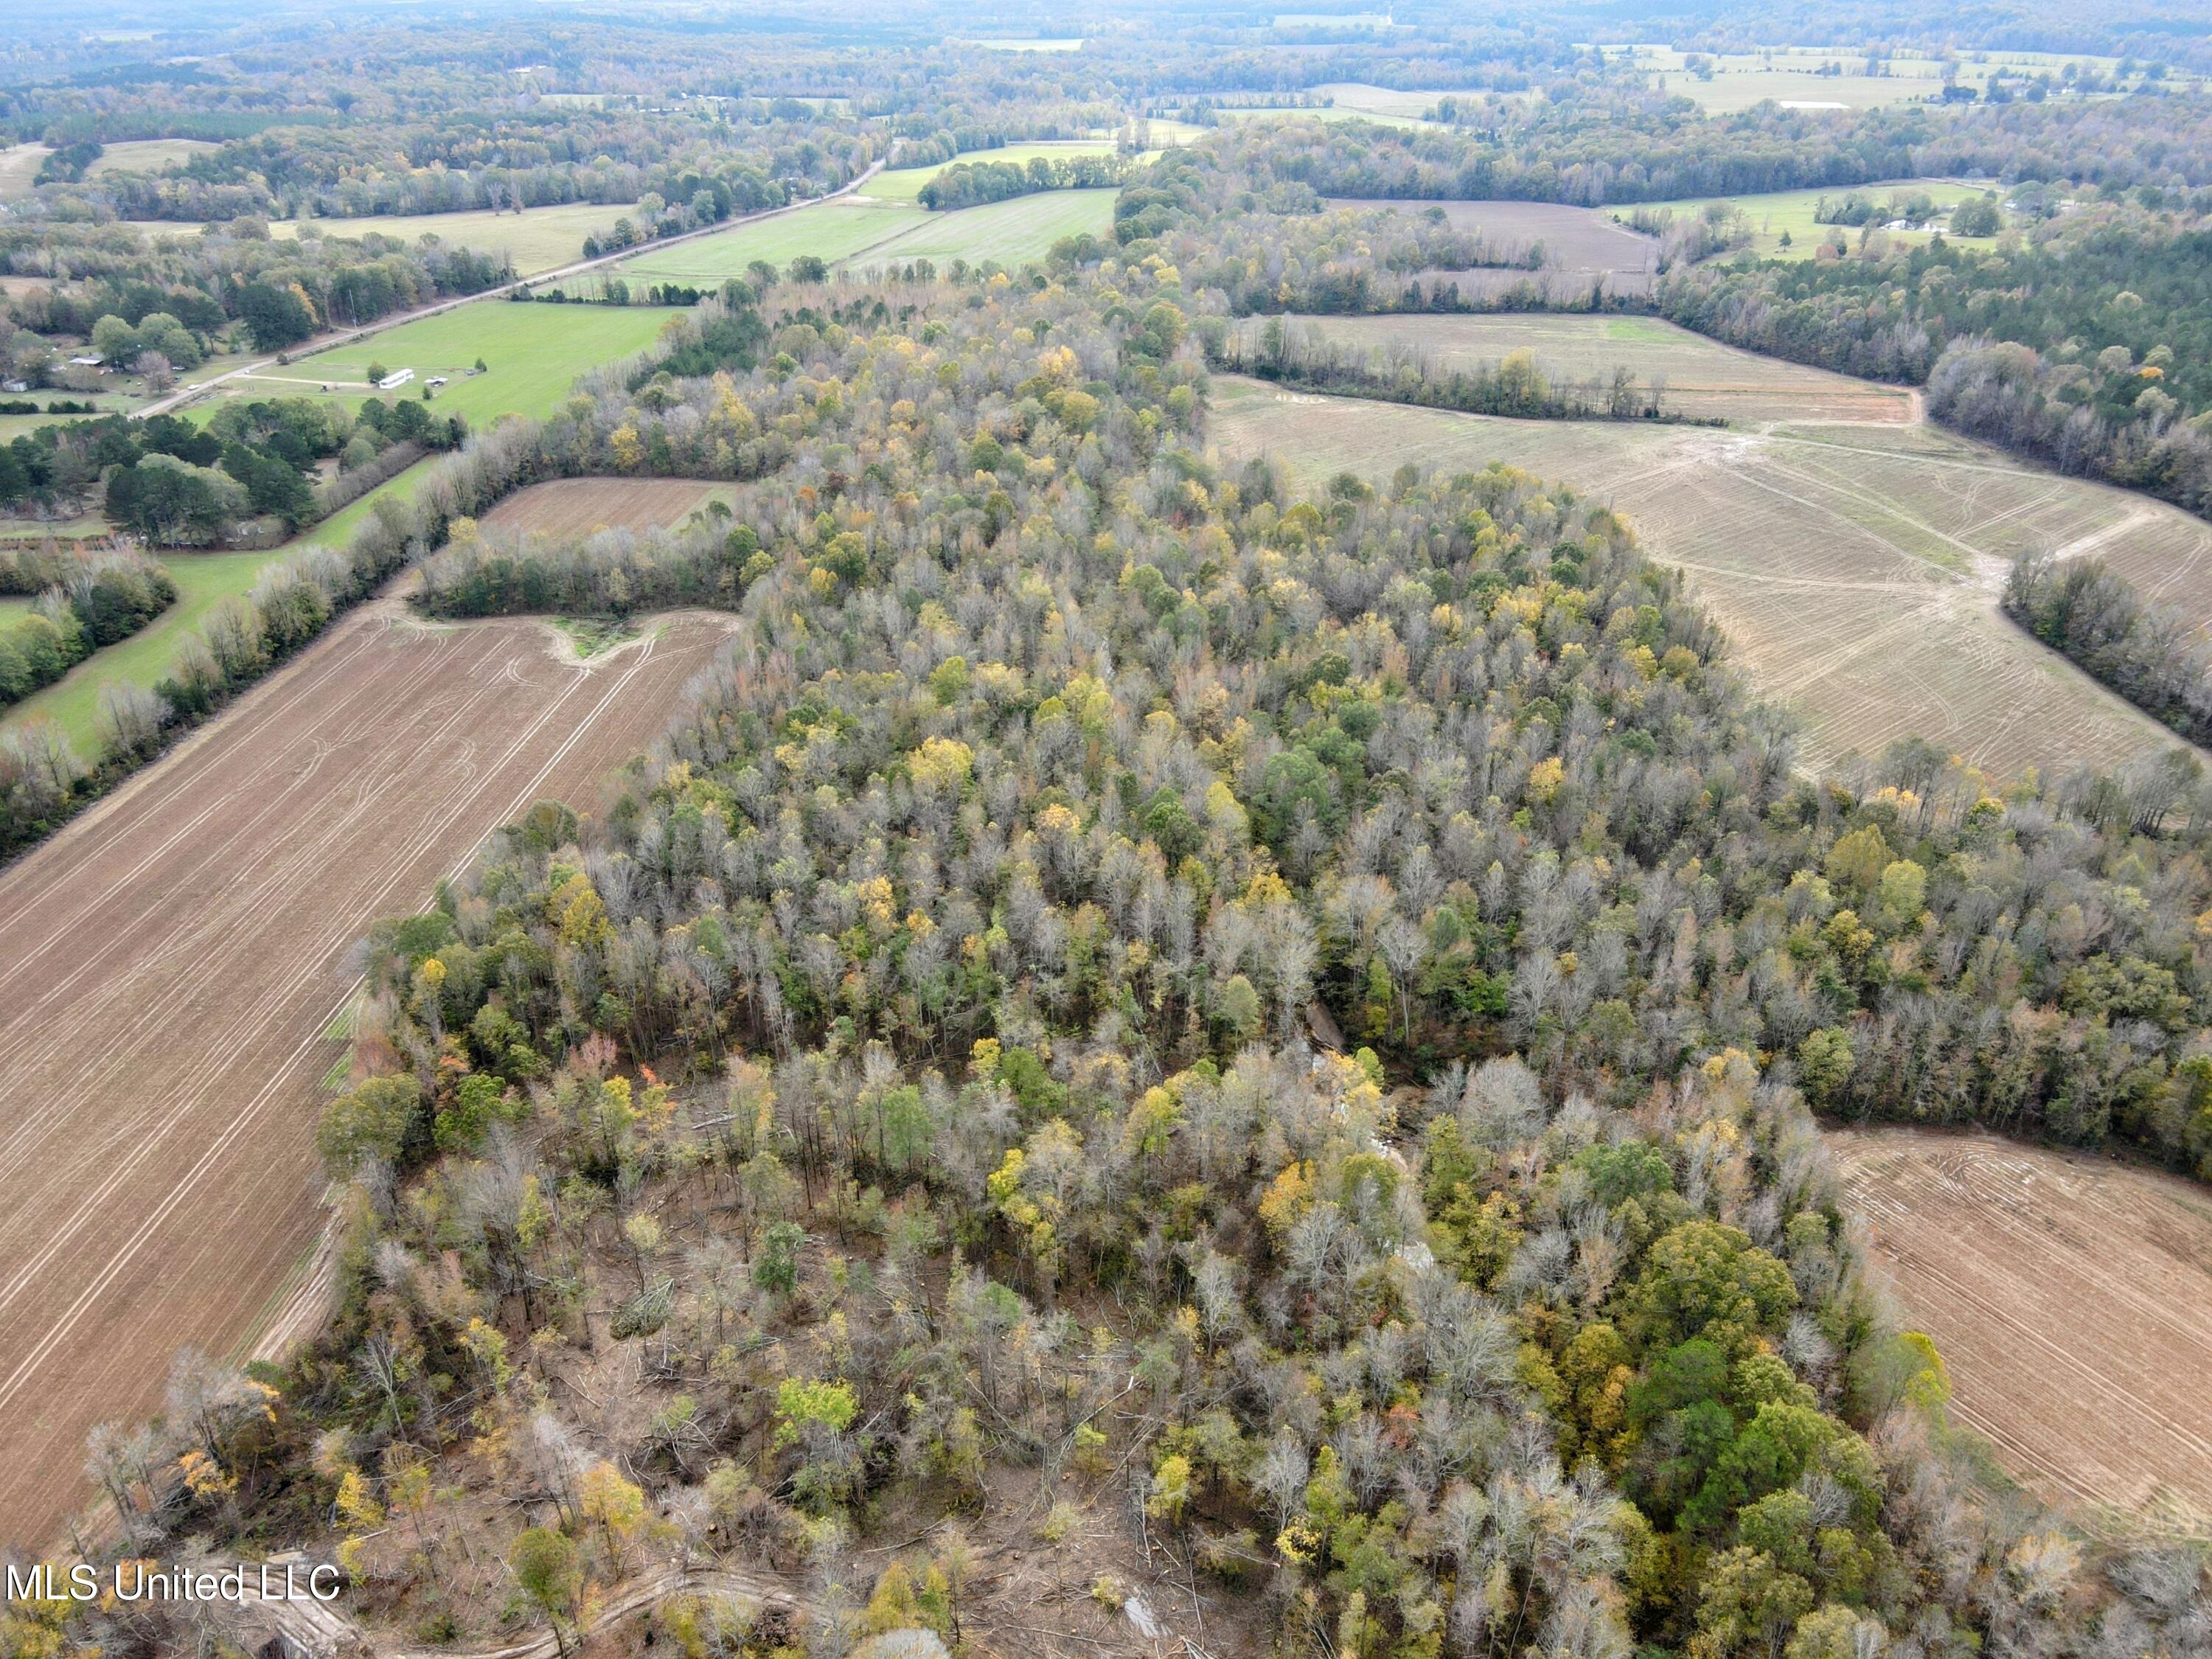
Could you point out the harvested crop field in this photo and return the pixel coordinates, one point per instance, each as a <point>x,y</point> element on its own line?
<point>1856,569</point>
<point>2071,1298</point>
<point>1580,245</point>
<point>576,507</point>
<point>1702,377</point>
<point>179,959</point>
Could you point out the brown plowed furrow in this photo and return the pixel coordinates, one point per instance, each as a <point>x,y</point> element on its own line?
<point>174,958</point>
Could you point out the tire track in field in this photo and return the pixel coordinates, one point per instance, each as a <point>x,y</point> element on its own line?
<point>281,877</point>
<point>2072,1299</point>
<point>166,1036</point>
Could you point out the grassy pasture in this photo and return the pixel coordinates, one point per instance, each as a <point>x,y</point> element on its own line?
<point>1380,103</point>
<point>1773,212</point>
<point>533,352</point>
<point>19,165</point>
<point>1166,133</point>
<point>829,230</point>
<point>537,239</point>
<point>867,234</point>
<point>1702,377</point>
<point>203,581</point>
<point>904,183</point>
<point>149,155</point>
<point>1012,233</point>
<point>1789,75</point>
<point>1855,568</point>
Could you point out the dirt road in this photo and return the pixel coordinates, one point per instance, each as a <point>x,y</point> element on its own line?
<point>173,961</point>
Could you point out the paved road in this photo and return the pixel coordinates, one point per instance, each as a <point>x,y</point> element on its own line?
<point>184,395</point>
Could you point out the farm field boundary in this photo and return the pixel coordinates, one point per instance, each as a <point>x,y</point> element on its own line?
<point>181,950</point>
<point>2071,1298</point>
<point>1854,568</point>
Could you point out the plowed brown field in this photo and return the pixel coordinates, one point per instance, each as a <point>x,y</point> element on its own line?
<point>2071,1298</point>
<point>174,964</point>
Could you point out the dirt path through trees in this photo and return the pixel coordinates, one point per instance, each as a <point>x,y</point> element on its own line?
<point>176,959</point>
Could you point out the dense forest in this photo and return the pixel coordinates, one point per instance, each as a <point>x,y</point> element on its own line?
<point>1607,143</point>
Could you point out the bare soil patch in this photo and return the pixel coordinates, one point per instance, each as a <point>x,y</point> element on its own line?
<point>576,507</point>
<point>176,959</point>
<point>1856,569</point>
<point>2071,1298</point>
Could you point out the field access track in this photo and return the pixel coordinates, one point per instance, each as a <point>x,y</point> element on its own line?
<point>177,963</point>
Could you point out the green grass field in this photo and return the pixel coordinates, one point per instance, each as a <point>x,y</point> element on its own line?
<point>534,354</point>
<point>904,183</point>
<point>1792,210</point>
<point>828,230</point>
<point>1011,233</point>
<point>1327,113</point>
<point>863,235</point>
<point>13,609</point>
<point>203,581</point>
<point>539,238</point>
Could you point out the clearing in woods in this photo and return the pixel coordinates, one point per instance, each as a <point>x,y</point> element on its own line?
<point>828,230</point>
<point>537,239</point>
<point>1580,247</point>
<point>576,507</point>
<point>1856,569</point>
<point>1773,213</point>
<point>2071,1298</point>
<point>149,155</point>
<point>1013,232</point>
<point>179,957</point>
<point>1702,377</point>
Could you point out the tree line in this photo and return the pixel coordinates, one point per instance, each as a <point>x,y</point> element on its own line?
<point>2085,346</point>
<point>2149,653</point>
<point>89,603</point>
<point>972,184</point>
